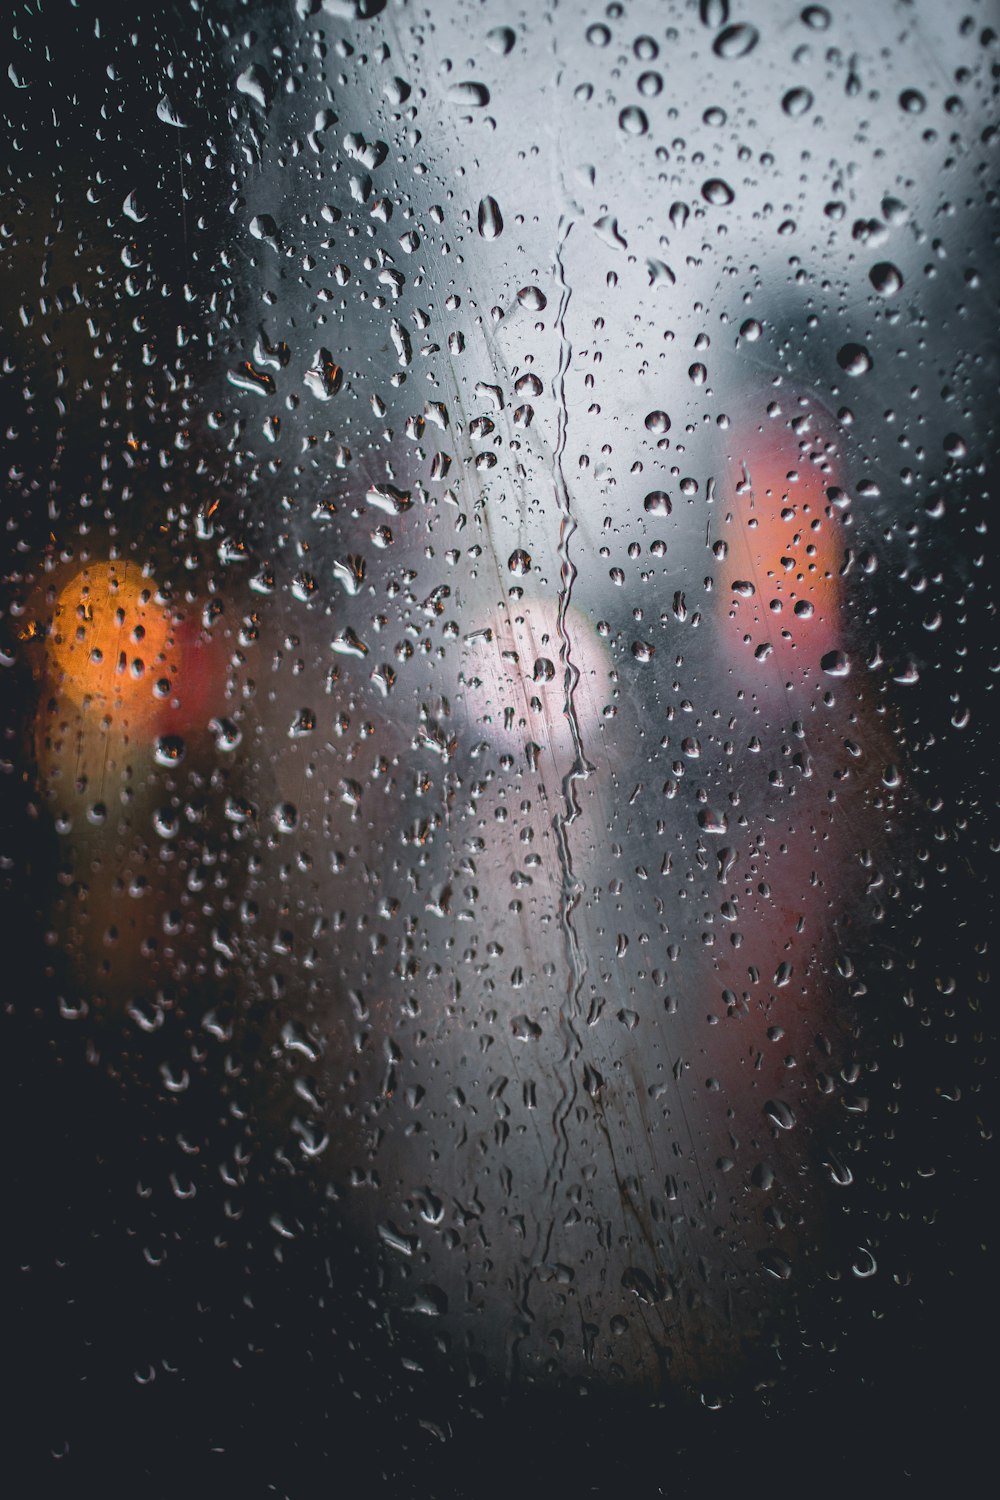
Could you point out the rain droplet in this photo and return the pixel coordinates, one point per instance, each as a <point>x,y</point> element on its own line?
<point>607,228</point>
<point>430,1301</point>
<point>501,39</point>
<point>836,664</point>
<point>166,112</point>
<point>490,219</point>
<point>169,750</point>
<point>227,734</point>
<point>657,503</point>
<point>854,359</point>
<point>797,102</point>
<point>133,209</point>
<point>779,1114</point>
<point>633,121</point>
<point>736,41</point>
<point>864,1264</point>
<point>713,13</point>
<point>532,298</point>
<point>285,817</point>
<point>469,95</point>
<point>397,91</point>
<point>325,376</point>
<point>660,274</point>
<point>839,1173</point>
<point>713,820</point>
<point>912,102</point>
<point>885,278</point>
<point>257,85</point>
<point>519,562</point>
<point>717,192</point>
<point>657,421</point>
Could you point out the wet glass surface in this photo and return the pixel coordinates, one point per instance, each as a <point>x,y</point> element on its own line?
<point>498,808</point>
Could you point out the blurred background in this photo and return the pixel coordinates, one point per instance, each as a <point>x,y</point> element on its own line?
<point>498,639</point>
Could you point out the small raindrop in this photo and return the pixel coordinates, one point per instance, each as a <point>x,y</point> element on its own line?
<point>490,219</point>
<point>713,820</point>
<point>836,664</point>
<point>469,95</point>
<point>285,817</point>
<point>500,40</point>
<point>713,13</point>
<point>840,1174</point>
<point>532,298</point>
<point>797,102</point>
<point>169,750</point>
<point>912,102</point>
<point>717,192</point>
<point>854,359</point>
<point>633,121</point>
<point>864,1264</point>
<point>133,209</point>
<point>257,85</point>
<point>660,274</point>
<point>779,1114</point>
<point>885,278</point>
<point>776,1265</point>
<point>397,91</point>
<point>736,41</point>
<point>166,112</point>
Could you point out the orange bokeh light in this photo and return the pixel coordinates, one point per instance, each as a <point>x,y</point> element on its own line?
<point>110,642</point>
<point>784,551</point>
<point>117,648</point>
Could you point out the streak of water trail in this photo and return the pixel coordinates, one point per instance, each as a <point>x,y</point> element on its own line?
<point>572,888</point>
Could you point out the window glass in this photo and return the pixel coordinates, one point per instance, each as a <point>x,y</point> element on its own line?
<point>498,632</point>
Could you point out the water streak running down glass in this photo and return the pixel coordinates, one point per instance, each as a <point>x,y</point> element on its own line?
<point>498,630</point>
